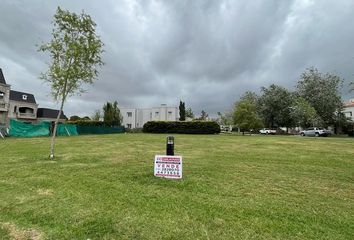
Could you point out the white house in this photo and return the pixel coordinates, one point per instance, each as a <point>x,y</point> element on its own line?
<point>349,109</point>
<point>137,117</point>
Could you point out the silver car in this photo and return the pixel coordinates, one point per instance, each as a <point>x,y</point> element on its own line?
<point>315,132</point>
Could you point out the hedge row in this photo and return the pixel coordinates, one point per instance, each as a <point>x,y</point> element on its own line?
<point>351,133</point>
<point>195,127</point>
<point>91,123</point>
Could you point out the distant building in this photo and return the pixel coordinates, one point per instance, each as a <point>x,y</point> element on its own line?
<point>48,114</point>
<point>348,109</point>
<point>21,106</point>
<point>137,117</point>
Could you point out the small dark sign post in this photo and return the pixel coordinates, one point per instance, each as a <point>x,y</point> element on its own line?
<point>170,146</point>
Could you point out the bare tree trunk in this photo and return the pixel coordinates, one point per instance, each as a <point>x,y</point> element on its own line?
<point>55,130</point>
<point>52,144</point>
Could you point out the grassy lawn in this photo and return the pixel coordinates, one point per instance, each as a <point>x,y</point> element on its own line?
<point>234,187</point>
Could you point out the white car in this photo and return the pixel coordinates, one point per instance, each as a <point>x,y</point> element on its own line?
<point>315,132</point>
<point>267,131</point>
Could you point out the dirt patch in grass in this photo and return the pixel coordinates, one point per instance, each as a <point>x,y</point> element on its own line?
<point>45,192</point>
<point>16,233</point>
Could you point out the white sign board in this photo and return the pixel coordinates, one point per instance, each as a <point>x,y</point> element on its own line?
<point>168,166</point>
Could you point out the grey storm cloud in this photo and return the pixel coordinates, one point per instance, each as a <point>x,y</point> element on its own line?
<point>206,53</point>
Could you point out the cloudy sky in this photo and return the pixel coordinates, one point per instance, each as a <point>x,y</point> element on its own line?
<point>206,53</point>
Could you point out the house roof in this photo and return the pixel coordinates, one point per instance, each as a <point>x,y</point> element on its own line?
<point>349,103</point>
<point>2,78</point>
<point>49,113</point>
<point>22,97</point>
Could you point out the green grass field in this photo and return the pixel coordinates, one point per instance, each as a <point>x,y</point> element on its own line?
<point>234,187</point>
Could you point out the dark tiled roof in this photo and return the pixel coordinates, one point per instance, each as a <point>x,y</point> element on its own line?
<point>2,78</point>
<point>19,96</point>
<point>49,113</point>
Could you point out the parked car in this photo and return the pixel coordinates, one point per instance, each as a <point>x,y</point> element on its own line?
<point>315,132</point>
<point>267,131</point>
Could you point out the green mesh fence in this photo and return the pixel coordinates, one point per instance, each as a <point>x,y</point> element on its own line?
<point>20,129</point>
<point>82,130</point>
<point>67,130</point>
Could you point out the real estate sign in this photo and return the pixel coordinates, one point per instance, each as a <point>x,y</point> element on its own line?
<point>168,166</point>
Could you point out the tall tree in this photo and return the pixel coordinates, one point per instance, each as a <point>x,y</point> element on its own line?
<point>226,118</point>
<point>245,115</point>
<point>303,114</point>
<point>182,111</point>
<point>322,91</point>
<point>75,51</point>
<point>111,114</point>
<point>274,106</point>
<point>96,115</point>
<point>203,115</point>
<point>189,113</point>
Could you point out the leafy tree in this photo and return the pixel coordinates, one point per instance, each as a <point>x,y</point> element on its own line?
<point>182,111</point>
<point>111,114</point>
<point>86,118</point>
<point>203,116</point>
<point>274,106</point>
<point>189,113</point>
<point>303,114</point>
<point>74,118</point>
<point>75,52</point>
<point>322,91</point>
<point>251,97</point>
<point>96,115</point>
<point>342,123</point>
<point>245,116</point>
<point>226,118</point>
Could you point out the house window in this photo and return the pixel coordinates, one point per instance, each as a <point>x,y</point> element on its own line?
<point>129,125</point>
<point>156,114</point>
<point>24,97</point>
<point>15,109</point>
<point>169,113</point>
<point>129,114</point>
<point>2,95</point>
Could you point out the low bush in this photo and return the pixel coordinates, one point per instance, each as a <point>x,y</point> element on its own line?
<point>195,127</point>
<point>92,123</point>
<point>134,130</point>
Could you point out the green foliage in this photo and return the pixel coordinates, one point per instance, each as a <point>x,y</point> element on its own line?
<point>111,114</point>
<point>75,52</point>
<point>251,97</point>
<point>74,118</point>
<point>322,91</point>
<point>86,129</point>
<point>134,130</point>
<point>245,115</point>
<point>91,123</point>
<point>275,106</point>
<point>195,127</point>
<point>96,115</point>
<point>182,111</point>
<point>203,116</point>
<point>189,113</point>
<point>226,118</point>
<point>303,114</point>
